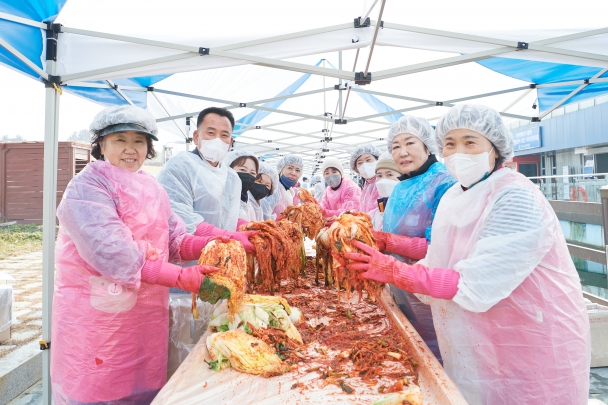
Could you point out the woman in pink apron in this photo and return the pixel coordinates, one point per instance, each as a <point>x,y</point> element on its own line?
<point>506,298</point>
<point>117,235</point>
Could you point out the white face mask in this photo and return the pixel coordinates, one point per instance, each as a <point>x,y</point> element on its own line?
<point>213,150</point>
<point>468,169</point>
<point>368,170</point>
<point>385,187</point>
<point>333,180</point>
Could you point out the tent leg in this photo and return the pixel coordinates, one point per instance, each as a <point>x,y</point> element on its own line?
<point>48,225</point>
<point>340,82</point>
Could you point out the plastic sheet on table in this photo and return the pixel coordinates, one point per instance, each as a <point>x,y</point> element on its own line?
<point>184,330</point>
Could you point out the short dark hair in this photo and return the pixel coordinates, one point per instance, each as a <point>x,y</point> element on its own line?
<point>222,112</point>
<point>96,147</point>
<point>305,178</point>
<point>242,159</point>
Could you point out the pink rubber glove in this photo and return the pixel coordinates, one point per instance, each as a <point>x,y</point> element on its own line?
<point>205,229</point>
<point>171,275</point>
<point>438,283</point>
<point>241,222</point>
<point>414,248</point>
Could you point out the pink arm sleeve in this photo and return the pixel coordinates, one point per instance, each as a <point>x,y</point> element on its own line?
<point>414,248</point>
<point>206,229</point>
<point>192,246</point>
<point>438,283</point>
<point>157,272</point>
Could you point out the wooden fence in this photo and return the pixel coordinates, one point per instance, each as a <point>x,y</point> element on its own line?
<point>21,177</point>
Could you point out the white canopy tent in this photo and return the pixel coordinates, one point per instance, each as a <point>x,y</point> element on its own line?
<point>242,54</point>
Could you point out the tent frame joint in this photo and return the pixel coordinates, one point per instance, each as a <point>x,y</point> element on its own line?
<point>366,23</point>
<point>52,81</point>
<point>535,119</point>
<point>522,45</point>
<point>340,121</point>
<point>54,27</point>
<point>532,85</point>
<point>362,79</point>
<point>52,35</point>
<point>203,51</point>
<point>150,88</point>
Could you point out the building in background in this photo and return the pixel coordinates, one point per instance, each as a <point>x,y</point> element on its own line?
<point>571,140</point>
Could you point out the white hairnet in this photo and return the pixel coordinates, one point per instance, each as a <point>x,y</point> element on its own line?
<point>272,173</point>
<point>484,120</point>
<point>124,114</point>
<point>235,154</point>
<point>369,148</point>
<point>419,127</point>
<point>289,160</point>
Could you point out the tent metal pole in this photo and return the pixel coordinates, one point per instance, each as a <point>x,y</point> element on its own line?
<point>285,65</point>
<point>440,63</point>
<point>445,103</point>
<point>571,37</point>
<point>376,29</point>
<point>105,86</point>
<point>164,107</point>
<point>235,104</point>
<point>49,199</point>
<point>305,93</point>
<point>307,116</point>
<point>568,52</point>
<point>537,45</point>
<point>20,20</point>
<point>340,81</point>
<point>213,100</point>
<point>286,37</point>
<point>517,100</point>
<point>92,74</point>
<point>572,94</point>
<point>562,101</point>
<point>120,93</point>
<point>23,59</point>
<point>369,11</point>
<point>324,99</point>
<point>190,48</point>
<point>482,95</point>
<point>572,83</point>
<point>449,34</point>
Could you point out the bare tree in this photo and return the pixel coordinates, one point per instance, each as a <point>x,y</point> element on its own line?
<point>81,136</point>
<point>16,138</point>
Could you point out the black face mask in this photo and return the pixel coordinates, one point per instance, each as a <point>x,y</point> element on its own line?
<point>246,181</point>
<point>259,191</point>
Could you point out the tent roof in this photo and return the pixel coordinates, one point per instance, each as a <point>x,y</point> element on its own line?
<point>234,53</point>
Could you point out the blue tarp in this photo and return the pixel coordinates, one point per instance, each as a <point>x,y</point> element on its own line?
<point>110,96</point>
<point>254,117</point>
<point>545,73</point>
<point>26,39</point>
<point>31,41</point>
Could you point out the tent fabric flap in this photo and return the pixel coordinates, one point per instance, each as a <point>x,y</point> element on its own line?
<point>28,40</point>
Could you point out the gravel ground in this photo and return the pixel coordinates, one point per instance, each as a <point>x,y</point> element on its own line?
<point>27,289</point>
